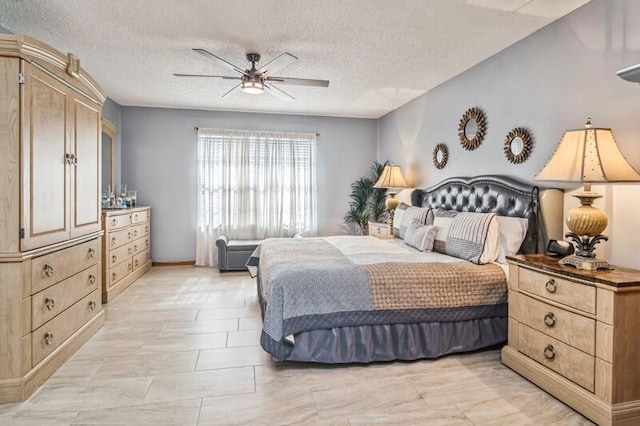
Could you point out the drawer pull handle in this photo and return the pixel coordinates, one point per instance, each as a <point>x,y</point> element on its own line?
<point>128,235</point>
<point>48,270</point>
<point>130,250</point>
<point>550,319</point>
<point>50,303</point>
<point>137,263</point>
<point>92,279</point>
<point>549,352</point>
<point>92,305</point>
<point>113,241</point>
<point>135,217</point>
<point>135,248</point>
<point>114,276</point>
<point>92,253</point>
<point>114,258</point>
<point>135,233</point>
<point>146,243</point>
<point>146,229</point>
<point>48,338</point>
<point>129,267</point>
<point>114,222</point>
<point>551,286</point>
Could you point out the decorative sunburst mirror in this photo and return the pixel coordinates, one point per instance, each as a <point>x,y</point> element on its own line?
<point>471,128</point>
<point>517,145</point>
<point>440,156</point>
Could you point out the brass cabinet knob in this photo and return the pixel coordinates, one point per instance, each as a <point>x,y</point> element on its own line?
<point>48,270</point>
<point>550,319</point>
<point>49,303</point>
<point>92,279</point>
<point>92,305</point>
<point>48,338</point>
<point>549,352</point>
<point>92,253</point>
<point>551,286</point>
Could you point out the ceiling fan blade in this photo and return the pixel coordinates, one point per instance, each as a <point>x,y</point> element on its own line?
<point>235,89</point>
<point>276,91</point>
<point>277,64</point>
<point>217,58</point>
<point>298,81</point>
<point>225,77</point>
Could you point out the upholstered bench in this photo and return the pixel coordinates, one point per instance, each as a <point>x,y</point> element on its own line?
<point>233,254</point>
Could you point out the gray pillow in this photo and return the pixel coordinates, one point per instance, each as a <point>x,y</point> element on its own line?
<point>419,214</point>
<point>420,236</point>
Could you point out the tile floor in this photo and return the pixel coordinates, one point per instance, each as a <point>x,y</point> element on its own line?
<point>180,347</point>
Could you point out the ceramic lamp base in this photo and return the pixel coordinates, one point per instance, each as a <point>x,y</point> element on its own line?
<point>588,263</point>
<point>392,202</point>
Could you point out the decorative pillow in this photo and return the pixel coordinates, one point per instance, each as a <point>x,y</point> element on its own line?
<point>513,231</point>
<point>420,236</point>
<point>443,219</point>
<point>407,214</point>
<point>474,237</point>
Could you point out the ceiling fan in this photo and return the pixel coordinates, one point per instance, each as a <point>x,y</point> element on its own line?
<point>255,81</point>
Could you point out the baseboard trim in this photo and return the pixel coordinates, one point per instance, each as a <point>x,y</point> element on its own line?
<point>183,263</point>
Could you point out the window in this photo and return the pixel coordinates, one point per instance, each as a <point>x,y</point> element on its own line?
<point>254,185</point>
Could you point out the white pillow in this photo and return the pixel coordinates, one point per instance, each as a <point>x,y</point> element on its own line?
<point>405,214</point>
<point>443,224</point>
<point>513,231</point>
<point>471,236</point>
<point>420,236</point>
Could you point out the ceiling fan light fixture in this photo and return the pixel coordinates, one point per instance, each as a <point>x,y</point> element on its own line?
<point>254,87</point>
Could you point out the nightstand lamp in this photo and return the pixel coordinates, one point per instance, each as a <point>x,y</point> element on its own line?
<point>588,155</point>
<point>391,178</point>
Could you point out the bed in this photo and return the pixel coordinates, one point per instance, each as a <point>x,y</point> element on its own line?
<point>347,299</point>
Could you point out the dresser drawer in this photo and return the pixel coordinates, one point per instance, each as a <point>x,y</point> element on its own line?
<point>118,221</point>
<point>119,238</point>
<point>55,299</point>
<point>141,259</point>
<point>140,216</point>
<point>53,333</point>
<point>57,266</point>
<point>119,255</point>
<point>571,363</point>
<point>573,329</point>
<point>140,244</point>
<point>575,295</point>
<point>140,230</point>
<point>120,271</point>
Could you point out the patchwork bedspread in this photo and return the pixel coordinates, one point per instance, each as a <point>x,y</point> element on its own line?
<point>323,283</point>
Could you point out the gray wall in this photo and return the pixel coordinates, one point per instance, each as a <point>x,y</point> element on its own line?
<point>549,82</point>
<point>113,112</point>
<point>159,160</point>
<point>3,30</point>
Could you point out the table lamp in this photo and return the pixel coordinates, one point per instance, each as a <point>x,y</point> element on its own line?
<point>391,178</point>
<point>588,155</point>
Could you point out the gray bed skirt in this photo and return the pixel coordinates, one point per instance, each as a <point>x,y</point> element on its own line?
<point>363,344</point>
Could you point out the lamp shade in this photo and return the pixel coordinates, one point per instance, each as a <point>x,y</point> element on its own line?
<point>588,155</point>
<point>391,177</point>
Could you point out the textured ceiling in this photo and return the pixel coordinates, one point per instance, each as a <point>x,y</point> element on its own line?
<point>378,54</point>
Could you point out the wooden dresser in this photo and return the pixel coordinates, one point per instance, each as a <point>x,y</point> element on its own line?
<point>50,230</point>
<point>575,334</point>
<point>126,248</point>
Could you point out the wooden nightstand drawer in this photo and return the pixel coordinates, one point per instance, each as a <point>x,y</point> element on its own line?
<point>575,295</point>
<point>573,329</point>
<point>573,364</point>
<point>380,230</point>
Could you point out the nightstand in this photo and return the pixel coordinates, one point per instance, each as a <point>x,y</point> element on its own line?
<point>380,230</point>
<point>574,333</point>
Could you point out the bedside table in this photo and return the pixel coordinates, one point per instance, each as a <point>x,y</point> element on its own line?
<point>574,333</point>
<point>380,230</point>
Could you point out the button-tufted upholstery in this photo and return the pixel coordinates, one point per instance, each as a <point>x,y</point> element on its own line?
<point>497,194</point>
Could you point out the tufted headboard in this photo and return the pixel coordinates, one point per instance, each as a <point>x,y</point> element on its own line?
<point>497,194</point>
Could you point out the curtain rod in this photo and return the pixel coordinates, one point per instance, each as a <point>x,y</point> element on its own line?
<point>197,128</point>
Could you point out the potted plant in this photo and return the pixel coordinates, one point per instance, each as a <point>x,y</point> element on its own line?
<point>367,202</point>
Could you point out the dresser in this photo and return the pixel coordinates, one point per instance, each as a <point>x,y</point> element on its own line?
<point>126,248</point>
<point>50,230</point>
<point>575,334</point>
<point>380,230</point>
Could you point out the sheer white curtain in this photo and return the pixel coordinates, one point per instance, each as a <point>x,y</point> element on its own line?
<point>254,185</point>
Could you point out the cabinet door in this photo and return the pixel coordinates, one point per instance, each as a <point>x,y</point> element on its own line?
<point>45,146</point>
<point>85,183</point>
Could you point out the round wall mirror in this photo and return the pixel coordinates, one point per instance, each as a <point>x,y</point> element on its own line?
<point>471,128</point>
<point>517,145</point>
<point>440,156</point>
